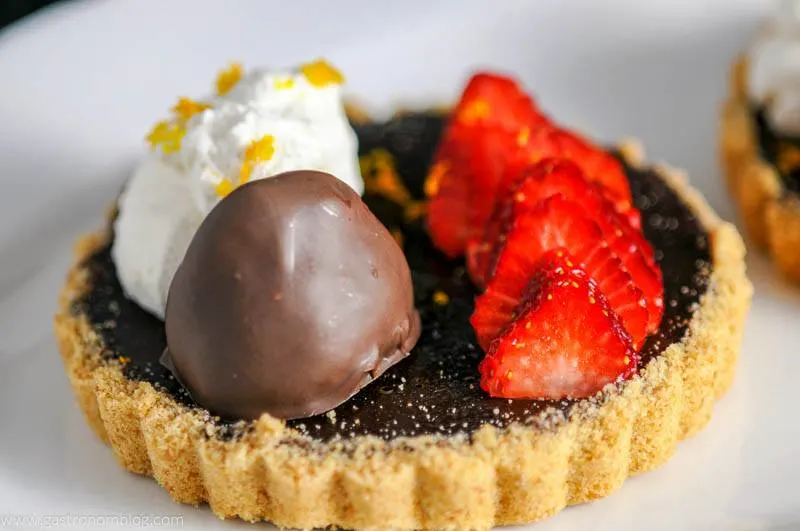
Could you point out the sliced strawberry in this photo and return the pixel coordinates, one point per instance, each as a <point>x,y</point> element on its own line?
<point>496,101</point>
<point>519,170</point>
<point>521,191</point>
<point>624,296</point>
<point>598,165</point>
<point>553,176</point>
<point>469,163</point>
<point>494,309</point>
<point>492,119</point>
<point>495,131</point>
<point>555,225</point>
<point>632,217</point>
<point>616,227</point>
<point>558,176</point>
<point>449,209</point>
<point>638,259</point>
<point>649,279</point>
<point>565,343</point>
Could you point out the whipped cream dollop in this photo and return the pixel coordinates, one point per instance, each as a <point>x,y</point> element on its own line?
<point>774,68</point>
<point>257,125</point>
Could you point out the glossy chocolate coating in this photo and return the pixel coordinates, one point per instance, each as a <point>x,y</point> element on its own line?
<point>291,298</point>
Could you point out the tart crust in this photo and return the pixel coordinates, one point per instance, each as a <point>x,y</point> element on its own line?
<point>500,476</point>
<point>770,214</point>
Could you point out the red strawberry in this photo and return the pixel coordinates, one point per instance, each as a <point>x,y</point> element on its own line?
<point>598,165</point>
<point>565,343</point>
<point>556,224</point>
<point>625,297</point>
<point>496,101</point>
<point>637,257</point>
<point>554,176</point>
<point>633,251</point>
<point>522,191</point>
<point>462,184</point>
<point>632,217</point>
<point>517,174</point>
<point>649,279</point>
<point>492,119</point>
<point>495,130</point>
<point>548,177</point>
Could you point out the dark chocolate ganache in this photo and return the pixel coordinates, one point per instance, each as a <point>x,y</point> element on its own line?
<point>435,390</point>
<point>782,151</point>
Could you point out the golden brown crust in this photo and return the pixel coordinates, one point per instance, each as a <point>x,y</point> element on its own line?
<point>520,474</point>
<point>770,216</point>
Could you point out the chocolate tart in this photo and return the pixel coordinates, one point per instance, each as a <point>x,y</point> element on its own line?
<point>768,198</point>
<point>423,446</point>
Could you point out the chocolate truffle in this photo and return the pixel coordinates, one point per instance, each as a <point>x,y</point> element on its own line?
<point>292,296</point>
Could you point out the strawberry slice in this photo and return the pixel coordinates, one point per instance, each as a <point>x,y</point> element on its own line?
<point>523,191</point>
<point>462,184</point>
<point>448,184</point>
<point>564,343</point>
<point>495,100</point>
<point>491,120</point>
<point>637,256</point>
<point>598,165</point>
<point>554,176</point>
<point>558,168</point>
<point>496,125</point>
<point>630,246</point>
<point>555,224</point>
<point>646,276</point>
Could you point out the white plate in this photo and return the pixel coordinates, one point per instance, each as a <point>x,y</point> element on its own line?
<point>83,82</point>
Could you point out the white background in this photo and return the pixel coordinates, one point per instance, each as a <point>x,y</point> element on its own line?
<point>82,83</point>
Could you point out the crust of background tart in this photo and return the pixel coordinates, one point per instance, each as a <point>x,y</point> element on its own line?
<point>501,476</point>
<point>770,215</point>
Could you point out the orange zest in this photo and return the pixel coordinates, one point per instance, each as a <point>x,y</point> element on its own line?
<point>434,178</point>
<point>187,107</point>
<point>257,152</point>
<point>320,73</point>
<point>228,78</point>
<point>167,136</point>
<point>381,178</point>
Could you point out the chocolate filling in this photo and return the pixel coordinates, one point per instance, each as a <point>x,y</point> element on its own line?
<point>770,141</point>
<point>435,390</point>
